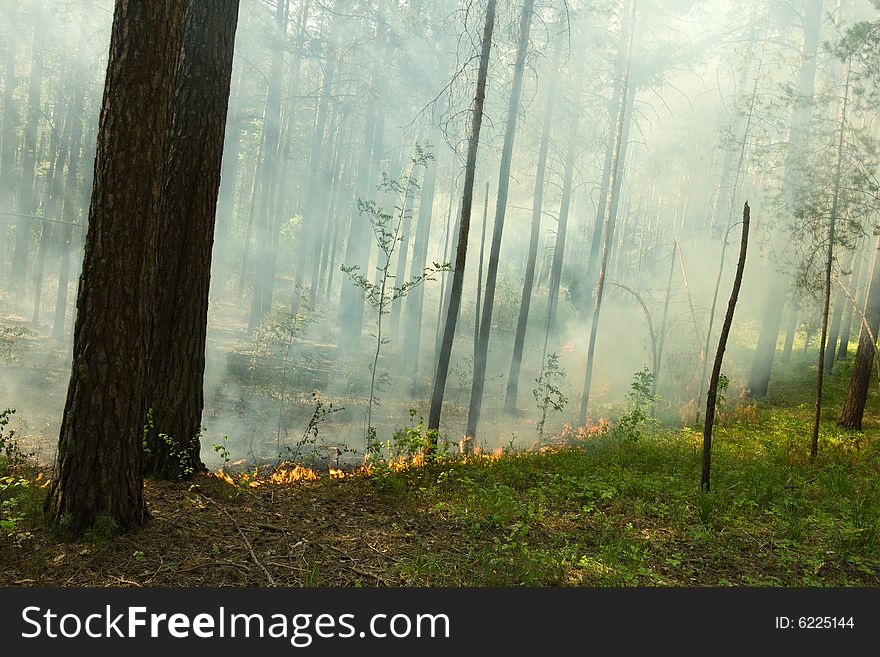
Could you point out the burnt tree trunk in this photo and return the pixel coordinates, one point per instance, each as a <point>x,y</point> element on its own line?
<point>99,463</point>
<point>712,395</point>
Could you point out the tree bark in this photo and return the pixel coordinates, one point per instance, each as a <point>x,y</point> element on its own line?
<point>186,236</point>
<point>99,462</point>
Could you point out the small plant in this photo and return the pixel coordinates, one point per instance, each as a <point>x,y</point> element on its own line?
<point>639,406</point>
<point>223,450</point>
<point>323,410</point>
<point>387,228</point>
<point>548,394</point>
<point>12,484</point>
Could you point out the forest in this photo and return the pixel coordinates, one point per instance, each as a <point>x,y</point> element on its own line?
<point>439,293</point>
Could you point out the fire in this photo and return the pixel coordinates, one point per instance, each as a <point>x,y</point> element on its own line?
<point>336,473</point>
<point>567,347</point>
<point>296,473</point>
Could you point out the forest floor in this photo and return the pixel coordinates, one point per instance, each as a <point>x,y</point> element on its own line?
<point>602,509</point>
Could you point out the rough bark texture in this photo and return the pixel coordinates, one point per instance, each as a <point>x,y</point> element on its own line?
<point>860,379</point>
<point>99,462</point>
<point>464,225</point>
<point>175,393</point>
<point>712,395</point>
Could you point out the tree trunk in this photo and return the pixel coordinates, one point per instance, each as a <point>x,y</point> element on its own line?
<point>479,301</point>
<point>357,249</point>
<point>860,379</point>
<point>479,381</point>
<point>27,186</point>
<point>229,177</point>
<point>99,462</point>
<point>70,210</point>
<point>186,235</point>
<point>836,318</point>
<point>265,252</point>
<point>712,396</point>
<point>467,198</point>
<point>762,366</point>
<point>415,300</point>
<point>562,227</point>
<point>829,262</point>
<point>855,280</point>
<point>662,341</point>
<point>610,218</point>
<point>793,316</point>
<point>9,134</point>
<point>534,238</point>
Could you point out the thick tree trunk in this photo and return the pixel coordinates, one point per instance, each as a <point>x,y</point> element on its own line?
<point>479,380</point>
<point>99,462</point>
<point>534,238</point>
<point>712,396</point>
<point>860,379</point>
<point>186,235</point>
<point>464,223</point>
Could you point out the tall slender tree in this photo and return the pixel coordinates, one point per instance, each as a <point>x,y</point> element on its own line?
<point>464,225</point>
<point>482,353</point>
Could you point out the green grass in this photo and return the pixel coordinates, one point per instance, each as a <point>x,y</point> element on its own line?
<point>613,513</point>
